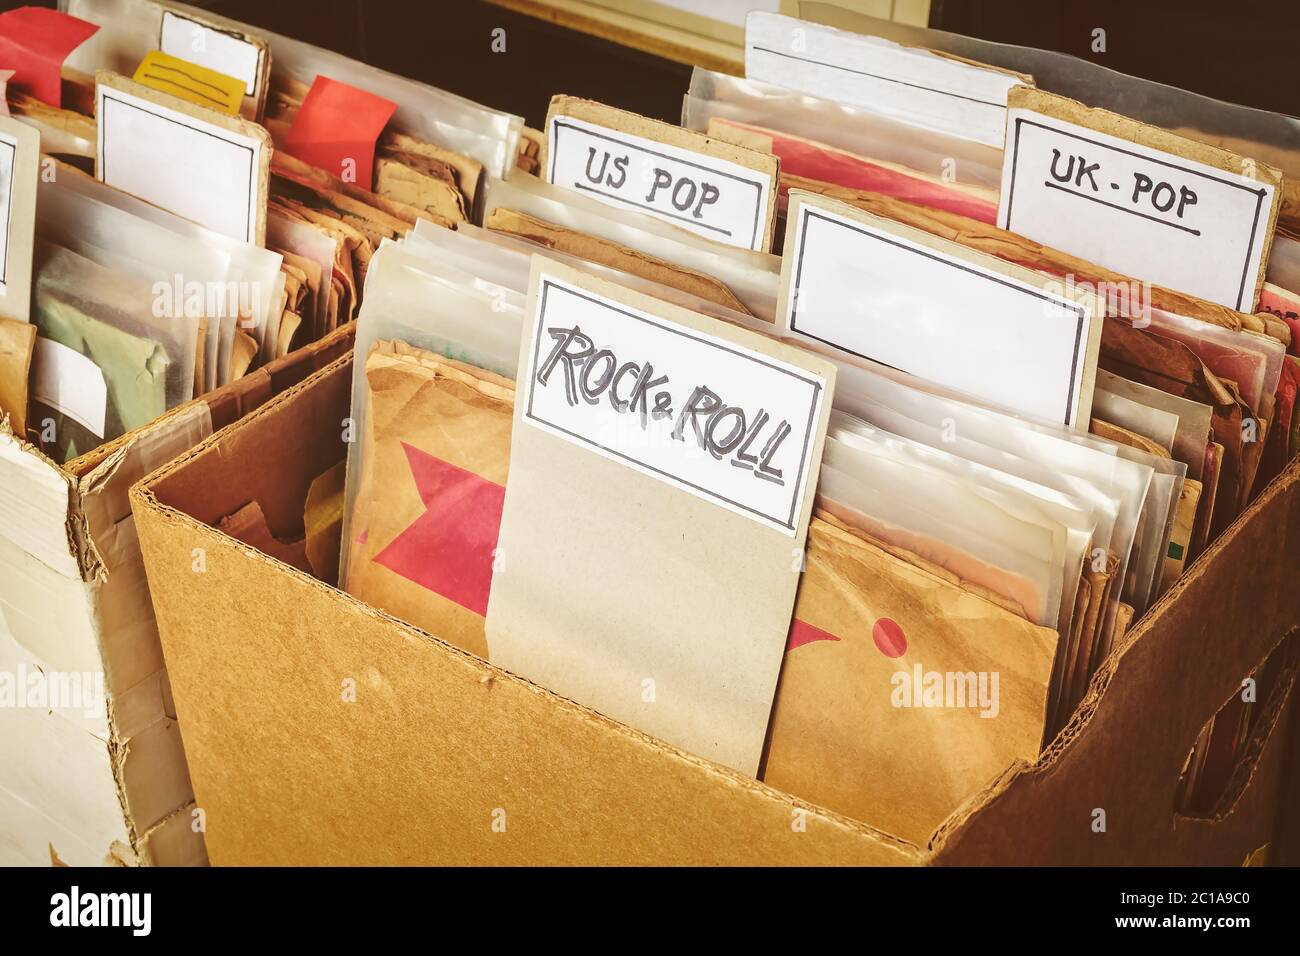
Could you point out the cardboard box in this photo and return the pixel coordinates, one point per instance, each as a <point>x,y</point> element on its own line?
<point>107,782</point>
<point>322,731</point>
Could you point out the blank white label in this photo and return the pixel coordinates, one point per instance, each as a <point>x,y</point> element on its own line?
<point>705,194</point>
<point>8,155</point>
<point>717,420</point>
<point>68,382</point>
<point>1151,215</point>
<point>215,49</point>
<point>195,169</point>
<point>879,75</point>
<point>880,296</point>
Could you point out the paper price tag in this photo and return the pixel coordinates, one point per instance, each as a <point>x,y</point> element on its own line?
<point>191,82</point>
<point>336,129</point>
<point>34,42</point>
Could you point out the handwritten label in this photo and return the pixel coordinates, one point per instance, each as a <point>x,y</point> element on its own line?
<point>1147,213</point>
<point>728,424</point>
<point>221,50</point>
<point>196,169</point>
<point>879,75</point>
<point>705,194</point>
<point>873,289</point>
<point>69,382</point>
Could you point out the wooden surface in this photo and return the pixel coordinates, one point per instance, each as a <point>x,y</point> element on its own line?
<point>670,42</point>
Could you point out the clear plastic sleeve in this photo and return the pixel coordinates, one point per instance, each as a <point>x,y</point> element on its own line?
<point>1269,137</point>
<point>147,363</point>
<point>871,135</point>
<point>249,286</point>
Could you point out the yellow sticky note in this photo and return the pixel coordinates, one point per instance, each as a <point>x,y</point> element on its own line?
<point>196,84</point>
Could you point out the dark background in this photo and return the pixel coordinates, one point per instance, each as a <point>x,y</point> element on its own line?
<point>1243,51</point>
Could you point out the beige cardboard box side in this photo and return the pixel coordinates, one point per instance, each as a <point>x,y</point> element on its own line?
<point>107,784</point>
<point>322,731</point>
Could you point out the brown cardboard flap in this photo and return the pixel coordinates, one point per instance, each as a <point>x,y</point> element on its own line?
<point>17,342</point>
<point>1124,750</point>
<point>440,757</point>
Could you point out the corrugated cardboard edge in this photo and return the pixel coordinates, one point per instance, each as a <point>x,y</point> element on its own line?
<point>660,132</point>
<point>163,841</point>
<point>1210,641</point>
<point>1153,137</point>
<point>40,460</point>
<point>92,575</point>
<point>865,843</point>
<point>101,471</point>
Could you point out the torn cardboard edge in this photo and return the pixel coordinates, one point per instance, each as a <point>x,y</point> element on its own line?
<point>95,486</point>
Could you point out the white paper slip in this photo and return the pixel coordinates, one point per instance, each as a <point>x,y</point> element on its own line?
<point>733,426</point>
<point>916,85</point>
<point>877,289</point>
<point>708,195</point>
<point>8,159</point>
<point>220,50</point>
<point>193,162</point>
<point>1144,211</point>
<point>20,150</point>
<point>69,382</point>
